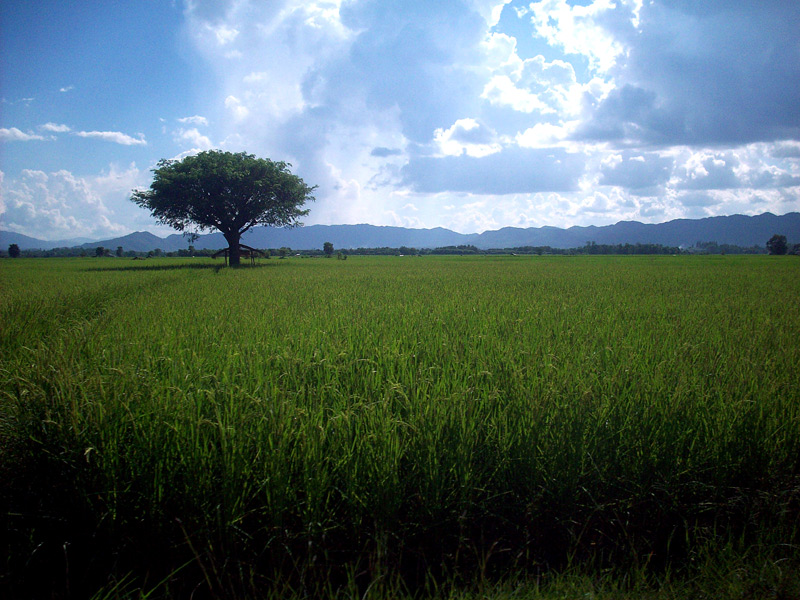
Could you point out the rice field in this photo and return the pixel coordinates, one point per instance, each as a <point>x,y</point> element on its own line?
<point>400,426</point>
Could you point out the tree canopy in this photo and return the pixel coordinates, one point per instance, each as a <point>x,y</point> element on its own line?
<point>229,192</point>
<point>777,244</point>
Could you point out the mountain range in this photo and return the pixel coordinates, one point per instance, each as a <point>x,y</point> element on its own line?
<point>738,230</point>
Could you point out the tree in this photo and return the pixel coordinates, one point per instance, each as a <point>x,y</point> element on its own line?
<point>227,192</point>
<point>99,251</point>
<point>777,244</point>
<point>327,248</point>
<point>13,250</point>
<point>119,251</point>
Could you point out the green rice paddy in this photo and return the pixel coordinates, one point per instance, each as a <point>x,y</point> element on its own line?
<point>477,427</point>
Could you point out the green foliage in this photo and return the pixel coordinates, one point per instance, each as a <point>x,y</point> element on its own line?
<point>513,417</point>
<point>223,191</point>
<point>327,248</point>
<point>13,250</point>
<point>777,244</point>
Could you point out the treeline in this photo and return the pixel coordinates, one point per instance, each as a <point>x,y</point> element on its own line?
<point>592,248</point>
<point>715,248</point>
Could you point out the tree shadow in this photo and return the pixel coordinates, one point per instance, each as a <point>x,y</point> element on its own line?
<point>206,267</point>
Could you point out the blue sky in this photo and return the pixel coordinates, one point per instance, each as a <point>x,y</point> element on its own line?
<point>465,114</point>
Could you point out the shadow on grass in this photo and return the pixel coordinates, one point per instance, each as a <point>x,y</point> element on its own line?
<point>205,267</point>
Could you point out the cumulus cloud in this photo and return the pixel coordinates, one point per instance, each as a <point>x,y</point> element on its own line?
<point>552,113</point>
<point>59,205</point>
<point>223,34</point>
<point>703,73</point>
<point>15,135</point>
<point>114,136</point>
<point>55,128</point>
<point>580,29</point>
<point>239,110</point>
<point>709,171</point>
<point>636,171</point>
<point>467,136</point>
<point>787,149</point>
<point>542,135</point>
<point>194,138</point>
<point>194,120</point>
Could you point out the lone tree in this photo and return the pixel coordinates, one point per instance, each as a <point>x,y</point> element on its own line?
<point>227,192</point>
<point>777,244</point>
<point>327,248</point>
<point>13,251</point>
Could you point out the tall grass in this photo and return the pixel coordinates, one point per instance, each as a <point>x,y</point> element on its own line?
<point>393,423</point>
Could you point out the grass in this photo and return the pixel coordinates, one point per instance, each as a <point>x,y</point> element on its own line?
<point>452,427</point>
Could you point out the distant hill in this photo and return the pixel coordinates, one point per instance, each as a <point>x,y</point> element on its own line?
<point>141,241</point>
<point>738,230</point>
<point>28,243</point>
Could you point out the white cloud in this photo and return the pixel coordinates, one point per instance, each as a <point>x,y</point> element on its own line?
<point>195,120</point>
<point>236,107</point>
<point>684,78</point>
<point>61,205</point>
<point>194,138</point>
<point>490,10</point>
<point>68,88</point>
<point>396,220</point>
<point>25,101</point>
<point>535,85</point>
<point>55,128</point>
<point>15,135</point>
<point>542,135</point>
<point>503,92</point>
<point>371,106</point>
<point>256,77</point>
<point>786,149</point>
<point>467,136</point>
<point>224,34</point>
<point>579,30</point>
<point>114,136</point>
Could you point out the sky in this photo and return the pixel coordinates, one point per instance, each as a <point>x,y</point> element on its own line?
<point>466,114</point>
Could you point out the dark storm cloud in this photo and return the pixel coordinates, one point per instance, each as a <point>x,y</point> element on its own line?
<point>705,73</point>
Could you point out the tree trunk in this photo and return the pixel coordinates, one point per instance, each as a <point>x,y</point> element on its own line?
<point>233,248</point>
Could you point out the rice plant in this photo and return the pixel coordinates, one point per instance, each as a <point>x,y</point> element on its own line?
<point>393,425</point>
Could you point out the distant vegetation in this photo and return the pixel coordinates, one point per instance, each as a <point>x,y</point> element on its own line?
<point>461,250</point>
<point>481,426</point>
